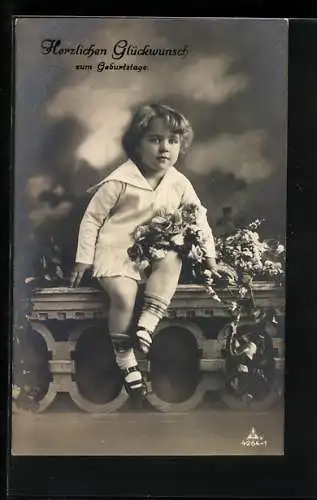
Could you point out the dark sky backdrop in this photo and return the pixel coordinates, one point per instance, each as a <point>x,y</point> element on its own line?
<point>232,86</point>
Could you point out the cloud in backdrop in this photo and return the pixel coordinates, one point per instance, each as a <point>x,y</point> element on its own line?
<point>232,86</point>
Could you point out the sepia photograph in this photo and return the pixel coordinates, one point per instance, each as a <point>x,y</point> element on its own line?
<point>149,245</point>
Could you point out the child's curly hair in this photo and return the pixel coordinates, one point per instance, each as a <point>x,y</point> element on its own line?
<point>140,123</point>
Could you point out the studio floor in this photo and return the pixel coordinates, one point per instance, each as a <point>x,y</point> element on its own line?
<point>208,430</point>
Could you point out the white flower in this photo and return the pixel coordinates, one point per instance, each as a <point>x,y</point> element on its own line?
<point>144,264</point>
<point>243,291</point>
<point>233,306</point>
<point>280,248</point>
<point>243,368</point>
<point>257,255</point>
<point>158,253</point>
<point>268,263</point>
<point>178,239</point>
<point>158,219</point>
<point>140,231</point>
<point>251,350</point>
<point>196,253</point>
<point>247,253</point>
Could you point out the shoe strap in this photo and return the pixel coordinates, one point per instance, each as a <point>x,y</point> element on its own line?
<point>131,369</point>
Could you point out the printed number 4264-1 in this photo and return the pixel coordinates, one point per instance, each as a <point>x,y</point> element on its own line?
<point>252,443</point>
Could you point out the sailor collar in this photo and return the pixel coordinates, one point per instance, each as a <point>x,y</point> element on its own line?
<point>129,173</point>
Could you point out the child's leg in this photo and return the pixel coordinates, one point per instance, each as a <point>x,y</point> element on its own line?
<point>159,291</point>
<point>122,292</point>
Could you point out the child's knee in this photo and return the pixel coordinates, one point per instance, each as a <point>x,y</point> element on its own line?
<point>122,294</point>
<point>122,300</point>
<point>170,265</point>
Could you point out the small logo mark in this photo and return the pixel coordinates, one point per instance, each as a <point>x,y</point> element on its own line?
<point>253,439</point>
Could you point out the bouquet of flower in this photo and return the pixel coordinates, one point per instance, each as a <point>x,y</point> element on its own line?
<point>241,257</point>
<point>178,231</point>
<point>249,256</point>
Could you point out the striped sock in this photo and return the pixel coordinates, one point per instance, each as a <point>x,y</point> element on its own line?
<point>153,310</point>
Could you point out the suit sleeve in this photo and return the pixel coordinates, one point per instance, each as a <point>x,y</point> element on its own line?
<point>190,197</point>
<point>96,214</point>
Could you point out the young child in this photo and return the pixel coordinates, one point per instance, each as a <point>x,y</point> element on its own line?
<point>131,195</point>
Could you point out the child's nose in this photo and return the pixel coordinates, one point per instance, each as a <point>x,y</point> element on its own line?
<point>164,145</point>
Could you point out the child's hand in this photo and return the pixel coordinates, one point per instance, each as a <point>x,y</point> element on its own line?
<point>78,273</point>
<point>212,266</point>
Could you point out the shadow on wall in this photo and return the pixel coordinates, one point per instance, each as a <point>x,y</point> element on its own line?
<point>53,200</point>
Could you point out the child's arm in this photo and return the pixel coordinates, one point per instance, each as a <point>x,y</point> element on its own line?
<point>189,197</point>
<point>96,213</point>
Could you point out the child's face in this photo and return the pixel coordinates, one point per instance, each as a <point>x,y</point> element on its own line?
<point>159,147</point>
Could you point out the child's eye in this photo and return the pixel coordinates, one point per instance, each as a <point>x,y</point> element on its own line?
<point>174,140</point>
